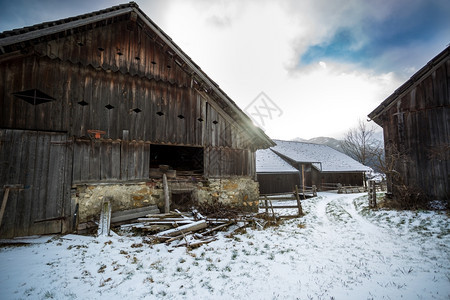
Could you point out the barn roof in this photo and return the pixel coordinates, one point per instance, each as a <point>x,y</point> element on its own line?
<point>268,161</point>
<point>417,77</point>
<point>13,41</point>
<point>322,157</point>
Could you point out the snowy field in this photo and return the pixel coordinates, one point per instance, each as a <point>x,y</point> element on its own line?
<point>339,250</point>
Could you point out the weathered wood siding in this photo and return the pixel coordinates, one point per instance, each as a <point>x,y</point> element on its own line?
<point>41,162</point>
<point>418,125</point>
<point>270,183</point>
<point>116,76</point>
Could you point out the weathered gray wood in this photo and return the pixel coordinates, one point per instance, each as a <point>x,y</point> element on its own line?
<point>166,195</point>
<point>299,204</point>
<point>130,214</point>
<point>185,228</point>
<point>105,218</point>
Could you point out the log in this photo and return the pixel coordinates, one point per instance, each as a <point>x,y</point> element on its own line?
<point>185,228</point>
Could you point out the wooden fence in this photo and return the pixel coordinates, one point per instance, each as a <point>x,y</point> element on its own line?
<point>265,201</point>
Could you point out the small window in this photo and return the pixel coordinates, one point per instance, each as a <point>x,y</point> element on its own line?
<point>34,96</point>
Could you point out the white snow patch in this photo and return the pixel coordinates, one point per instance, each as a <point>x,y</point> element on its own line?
<point>340,249</point>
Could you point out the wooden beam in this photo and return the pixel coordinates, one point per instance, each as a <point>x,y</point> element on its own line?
<point>183,229</point>
<point>166,194</point>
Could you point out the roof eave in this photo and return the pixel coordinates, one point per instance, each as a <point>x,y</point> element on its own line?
<point>417,77</point>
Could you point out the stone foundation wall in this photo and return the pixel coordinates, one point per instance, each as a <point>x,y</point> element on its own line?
<point>240,192</point>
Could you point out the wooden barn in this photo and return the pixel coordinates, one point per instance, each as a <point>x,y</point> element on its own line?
<point>318,165</point>
<point>275,175</point>
<point>100,105</point>
<point>416,127</point>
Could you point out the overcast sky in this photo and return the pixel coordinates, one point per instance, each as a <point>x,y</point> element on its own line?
<point>320,64</point>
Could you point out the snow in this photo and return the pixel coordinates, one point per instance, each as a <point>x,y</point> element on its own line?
<point>269,162</point>
<point>340,249</point>
<point>323,157</point>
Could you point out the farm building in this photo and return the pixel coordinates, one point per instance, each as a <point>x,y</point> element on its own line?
<point>317,165</point>
<point>100,105</point>
<point>274,174</point>
<point>416,128</point>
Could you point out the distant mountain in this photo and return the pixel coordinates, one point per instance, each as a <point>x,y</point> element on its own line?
<point>322,140</point>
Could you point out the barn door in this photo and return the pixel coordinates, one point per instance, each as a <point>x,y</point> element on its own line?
<point>39,162</point>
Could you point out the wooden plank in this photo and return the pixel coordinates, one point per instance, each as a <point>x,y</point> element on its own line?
<point>182,229</point>
<point>55,187</point>
<point>28,160</point>
<point>130,214</point>
<point>115,159</point>
<point>94,160</point>
<point>106,160</point>
<point>40,183</point>
<point>12,177</point>
<point>105,218</point>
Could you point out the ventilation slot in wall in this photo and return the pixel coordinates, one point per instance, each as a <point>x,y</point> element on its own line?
<point>34,96</point>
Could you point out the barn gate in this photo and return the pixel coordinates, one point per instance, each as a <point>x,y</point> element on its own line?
<point>35,167</point>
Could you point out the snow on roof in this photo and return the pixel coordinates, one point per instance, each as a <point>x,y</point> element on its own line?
<point>323,157</point>
<point>269,162</point>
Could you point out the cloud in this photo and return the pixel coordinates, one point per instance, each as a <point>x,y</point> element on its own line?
<point>324,63</point>
<point>366,32</point>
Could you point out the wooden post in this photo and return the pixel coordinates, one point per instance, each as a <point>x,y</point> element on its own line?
<point>303,180</point>
<point>267,205</point>
<point>105,218</point>
<point>372,194</point>
<point>166,194</point>
<point>300,209</point>
<point>314,190</point>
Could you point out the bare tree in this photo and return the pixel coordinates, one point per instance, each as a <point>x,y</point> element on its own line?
<point>361,144</point>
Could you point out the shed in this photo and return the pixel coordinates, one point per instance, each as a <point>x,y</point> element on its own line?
<point>93,105</point>
<point>274,174</point>
<point>416,128</point>
<point>321,164</point>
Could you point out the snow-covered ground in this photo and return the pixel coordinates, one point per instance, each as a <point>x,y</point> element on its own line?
<point>339,250</point>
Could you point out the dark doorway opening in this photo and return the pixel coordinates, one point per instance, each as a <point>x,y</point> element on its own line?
<point>182,201</point>
<point>180,158</point>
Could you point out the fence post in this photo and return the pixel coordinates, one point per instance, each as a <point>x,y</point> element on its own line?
<point>314,190</point>
<point>372,194</point>
<point>267,205</point>
<point>299,204</point>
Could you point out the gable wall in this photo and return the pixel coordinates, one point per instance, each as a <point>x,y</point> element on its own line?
<point>418,126</point>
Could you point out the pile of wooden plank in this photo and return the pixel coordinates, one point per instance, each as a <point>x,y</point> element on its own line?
<point>189,229</point>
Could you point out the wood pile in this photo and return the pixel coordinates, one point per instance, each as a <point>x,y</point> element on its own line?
<point>191,229</point>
